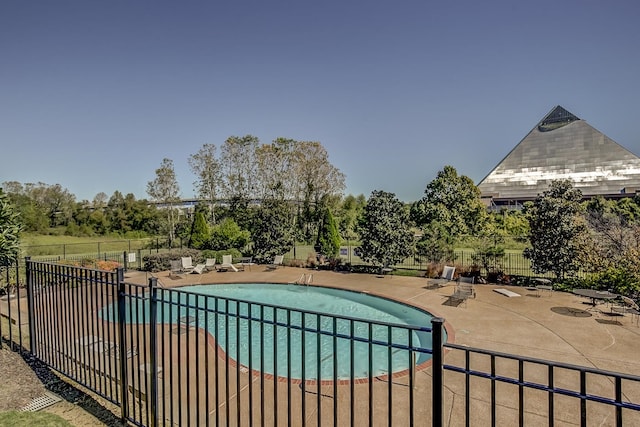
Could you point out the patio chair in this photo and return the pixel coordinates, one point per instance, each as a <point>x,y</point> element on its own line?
<point>464,290</point>
<point>466,279</point>
<point>187,264</point>
<point>210,264</point>
<point>446,276</point>
<point>626,305</point>
<point>227,264</point>
<point>176,267</point>
<point>198,269</point>
<point>277,262</point>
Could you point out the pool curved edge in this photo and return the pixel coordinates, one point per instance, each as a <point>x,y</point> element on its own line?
<point>449,330</point>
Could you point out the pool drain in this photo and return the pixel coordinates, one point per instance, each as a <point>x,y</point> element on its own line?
<point>41,402</point>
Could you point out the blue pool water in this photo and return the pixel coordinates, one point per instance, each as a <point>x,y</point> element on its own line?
<point>297,331</point>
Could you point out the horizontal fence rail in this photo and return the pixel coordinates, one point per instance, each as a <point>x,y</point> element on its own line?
<point>175,357</point>
<point>168,356</point>
<point>500,388</point>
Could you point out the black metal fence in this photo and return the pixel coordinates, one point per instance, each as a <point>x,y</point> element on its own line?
<point>511,263</point>
<point>168,356</point>
<point>503,389</point>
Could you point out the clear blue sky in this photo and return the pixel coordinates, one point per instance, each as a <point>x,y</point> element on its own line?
<point>94,94</point>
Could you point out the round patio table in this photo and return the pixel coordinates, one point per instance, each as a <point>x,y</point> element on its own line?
<point>596,295</point>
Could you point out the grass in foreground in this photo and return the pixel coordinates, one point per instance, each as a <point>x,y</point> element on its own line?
<point>15,418</point>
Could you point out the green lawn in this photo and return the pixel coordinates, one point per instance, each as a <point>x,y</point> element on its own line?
<point>40,244</point>
<point>44,419</point>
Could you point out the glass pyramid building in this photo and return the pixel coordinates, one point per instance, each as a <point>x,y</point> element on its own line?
<point>562,146</point>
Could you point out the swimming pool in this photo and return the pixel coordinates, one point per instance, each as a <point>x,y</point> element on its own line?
<point>299,331</point>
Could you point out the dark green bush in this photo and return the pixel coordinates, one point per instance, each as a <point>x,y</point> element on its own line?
<point>162,261</point>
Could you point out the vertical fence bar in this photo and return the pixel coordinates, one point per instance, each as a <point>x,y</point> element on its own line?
<point>618,385</point>
<point>550,397</point>
<point>153,348</point>
<point>30,306</point>
<point>521,393</point>
<point>18,305</point>
<point>238,370</point>
<point>8,291</point>
<point>352,363</point>
<point>583,400</point>
<point>370,383</point>
<point>124,386</point>
<point>303,357</point>
<point>467,389</point>
<point>493,389</point>
<point>389,376</point>
<point>335,371</point>
<point>437,324</point>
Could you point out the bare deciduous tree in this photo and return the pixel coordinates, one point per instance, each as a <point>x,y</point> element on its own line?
<point>207,169</point>
<point>165,189</point>
<point>238,167</point>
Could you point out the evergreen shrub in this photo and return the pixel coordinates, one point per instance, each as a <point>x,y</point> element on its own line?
<point>162,261</point>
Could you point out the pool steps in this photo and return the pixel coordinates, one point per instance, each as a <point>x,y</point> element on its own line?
<point>304,279</point>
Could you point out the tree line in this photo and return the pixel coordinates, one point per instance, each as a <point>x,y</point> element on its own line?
<point>288,192</point>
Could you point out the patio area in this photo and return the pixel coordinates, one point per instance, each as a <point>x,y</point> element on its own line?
<point>556,326</point>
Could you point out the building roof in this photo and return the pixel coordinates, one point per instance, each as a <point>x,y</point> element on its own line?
<point>563,146</point>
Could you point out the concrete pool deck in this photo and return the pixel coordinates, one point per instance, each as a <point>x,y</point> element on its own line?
<point>555,326</point>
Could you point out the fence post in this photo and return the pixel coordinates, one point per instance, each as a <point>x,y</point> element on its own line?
<point>8,292</point>
<point>125,261</point>
<point>18,304</point>
<point>153,348</point>
<point>122,311</point>
<point>437,371</point>
<point>30,314</point>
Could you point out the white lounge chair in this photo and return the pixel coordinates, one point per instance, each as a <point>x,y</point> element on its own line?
<point>227,264</point>
<point>210,264</point>
<point>187,264</point>
<point>198,269</point>
<point>277,261</point>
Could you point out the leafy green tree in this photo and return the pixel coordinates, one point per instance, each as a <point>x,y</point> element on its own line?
<point>627,209</point>
<point>10,227</point>
<point>612,247</point>
<point>199,238</point>
<point>510,223</point>
<point>226,234</point>
<point>349,210</point>
<point>385,236</point>
<point>272,231</point>
<point>436,244</point>
<point>556,230</point>
<point>316,181</point>
<point>454,202</point>
<point>41,206</point>
<point>328,236</point>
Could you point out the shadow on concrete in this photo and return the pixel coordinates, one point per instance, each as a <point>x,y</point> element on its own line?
<point>570,311</point>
